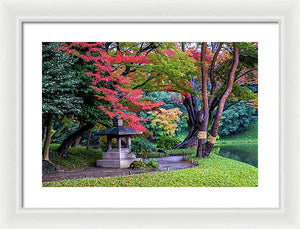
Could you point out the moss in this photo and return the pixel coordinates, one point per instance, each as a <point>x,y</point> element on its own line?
<point>214,171</point>
<point>76,158</point>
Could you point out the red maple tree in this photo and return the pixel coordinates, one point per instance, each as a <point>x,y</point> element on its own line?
<point>110,67</point>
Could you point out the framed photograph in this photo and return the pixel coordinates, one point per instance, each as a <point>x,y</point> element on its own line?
<point>159,121</point>
<point>116,92</point>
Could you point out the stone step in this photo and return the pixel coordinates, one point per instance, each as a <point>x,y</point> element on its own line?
<point>116,150</point>
<point>115,155</point>
<point>123,163</point>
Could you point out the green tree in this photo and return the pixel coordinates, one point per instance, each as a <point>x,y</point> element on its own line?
<point>207,75</point>
<point>59,86</point>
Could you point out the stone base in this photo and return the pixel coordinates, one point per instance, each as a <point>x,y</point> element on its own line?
<point>117,158</point>
<point>123,163</point>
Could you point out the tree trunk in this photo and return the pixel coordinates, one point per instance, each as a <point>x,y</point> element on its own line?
<point>190,141</point>
<point>60,131</point>
<point>77,141</point>
<point>88,140</point>
<point>217,119</point>
<point>44,135</point>
<point>48,138</point>
<point>65,145</point>
<point>204,116</point>
<point>202,120</point>
<point>191,105</point>
<point>206,147</point>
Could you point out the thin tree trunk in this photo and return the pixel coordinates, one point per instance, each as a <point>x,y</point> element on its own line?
<point>88,140</point>
<point>205,109</point>
<point>48,138</point>
<point>76,142</point>
<point>217,120</point>
<point>63,148</point>
<point>191,141</point>
<point>203,119</point>
<point>212,74</point>
<point>44,135</point>
<point>218,116</point>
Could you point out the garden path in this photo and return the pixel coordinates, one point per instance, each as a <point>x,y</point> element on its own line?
<point>165,164</point>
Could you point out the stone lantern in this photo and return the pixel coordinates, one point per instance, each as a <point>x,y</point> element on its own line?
<point>117,157</point>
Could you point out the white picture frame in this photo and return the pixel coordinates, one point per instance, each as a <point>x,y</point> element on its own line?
<point>12,215</point>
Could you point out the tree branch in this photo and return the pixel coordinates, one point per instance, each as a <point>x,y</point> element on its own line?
<point>245,73</point>
<point>142,84</point>
<point>228,90</point>
<point>212,73</point>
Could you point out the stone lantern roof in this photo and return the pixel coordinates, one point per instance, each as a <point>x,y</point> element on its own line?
<point>118,129</point>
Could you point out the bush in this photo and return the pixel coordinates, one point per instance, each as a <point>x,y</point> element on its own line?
<point>152,163</point>
<point>167,142</point>
<point>138,165</point>
<point>140,147</point>
<point>237,118</point>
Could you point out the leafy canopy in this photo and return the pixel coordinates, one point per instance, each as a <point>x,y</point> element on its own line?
<point>60,82</point>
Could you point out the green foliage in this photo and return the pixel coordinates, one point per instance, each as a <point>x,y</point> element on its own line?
<point>167,142</point>
<point>236,119</point>
<point>66,87</point>
<point>63,127</point>
<point>175,69</point>
<point>90,111</point>
<point>248,135</point>
<point>103,143</point>
<point>140,147</point>
<point>152,163</point>
<point>214,171</point>
<point>242,93</point>
<point>169,99</point>
<point>249,54</point>
<point>60,82</point>
<point>76,158</point>
<point>138,165</point>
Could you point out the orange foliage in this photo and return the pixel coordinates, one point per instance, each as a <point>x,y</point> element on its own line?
<point>167,119</point>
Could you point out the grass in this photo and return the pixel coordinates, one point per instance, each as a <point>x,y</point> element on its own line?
<point>214,171</point>
<point>248,136</point>
<point>76,158</point>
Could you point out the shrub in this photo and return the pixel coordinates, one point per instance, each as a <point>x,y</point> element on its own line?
<point>152,163</point>
<point>76,158</point>
<point>237,118</point>
<point>140,147</point>
<point>167,142</point>
<point>138,165</point>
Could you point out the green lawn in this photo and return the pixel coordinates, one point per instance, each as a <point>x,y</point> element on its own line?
<point>76,158</point>
<point>248,136</point>
<point>214,171</point>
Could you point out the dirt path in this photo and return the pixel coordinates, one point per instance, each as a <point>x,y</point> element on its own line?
<point>165,164</point>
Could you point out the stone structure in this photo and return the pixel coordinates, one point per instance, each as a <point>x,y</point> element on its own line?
<point>118,157</point>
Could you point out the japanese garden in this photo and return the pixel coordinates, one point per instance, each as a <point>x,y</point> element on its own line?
<point>149,114</point>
